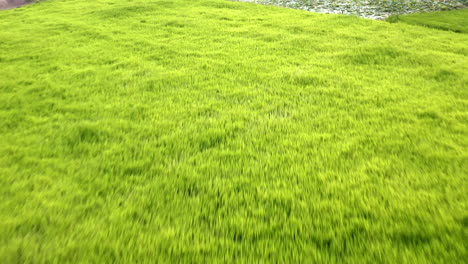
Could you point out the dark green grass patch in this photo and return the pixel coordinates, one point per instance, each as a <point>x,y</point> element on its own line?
<point>217,131</point>
<point>456,21</point>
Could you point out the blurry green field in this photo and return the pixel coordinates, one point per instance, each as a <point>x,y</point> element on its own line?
<point>214,131</point>
<point>456,21</point>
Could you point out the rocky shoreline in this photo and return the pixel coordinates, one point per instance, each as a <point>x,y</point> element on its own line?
<point>376,9</point>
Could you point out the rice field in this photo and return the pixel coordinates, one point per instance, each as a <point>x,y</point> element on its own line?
<point>456,20</point>
<point>212,131</point>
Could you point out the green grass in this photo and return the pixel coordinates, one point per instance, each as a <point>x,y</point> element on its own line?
<point>456,21</point>
<point>216,131</point>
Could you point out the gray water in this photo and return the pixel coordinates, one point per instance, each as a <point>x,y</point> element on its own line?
<point>377,9</point>
<point>7,4</point>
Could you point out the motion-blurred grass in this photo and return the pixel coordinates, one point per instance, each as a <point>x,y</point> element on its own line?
<point>215,131</point>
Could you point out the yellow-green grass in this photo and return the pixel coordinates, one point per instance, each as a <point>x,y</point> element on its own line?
<point>216,131</point>
<point>456,21</point>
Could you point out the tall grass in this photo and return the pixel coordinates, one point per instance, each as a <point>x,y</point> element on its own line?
<point>215,131</point>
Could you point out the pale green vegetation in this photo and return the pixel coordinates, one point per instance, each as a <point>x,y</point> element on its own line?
<point>216,131</point>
